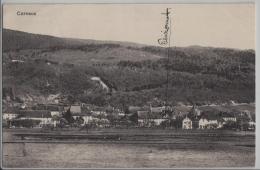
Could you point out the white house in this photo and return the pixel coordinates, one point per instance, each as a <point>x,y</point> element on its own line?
<point>203,123</point>
<point>233,119</point>
<point>186,123</point>
<point>87,119</point>
<point>9,116</point>
<point>157,122</point>
<point>251,125</point>
<point>228,117</point>
<point>17,61</point>
<point>121,114</point>
<point>55,113</point>
<point>99,112</point>
<point>211,122</point>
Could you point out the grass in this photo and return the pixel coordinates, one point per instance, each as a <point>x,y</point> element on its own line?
<point>138,148</point>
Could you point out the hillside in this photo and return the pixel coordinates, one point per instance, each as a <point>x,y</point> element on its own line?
<point>18,40</point>
<point>135,74</point>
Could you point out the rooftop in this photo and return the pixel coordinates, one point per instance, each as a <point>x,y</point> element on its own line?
<point>75,109</point>
<point>35,113</point>
<point>149,115</point>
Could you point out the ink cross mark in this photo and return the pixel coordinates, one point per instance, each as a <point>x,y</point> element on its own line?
<point>164,39</point>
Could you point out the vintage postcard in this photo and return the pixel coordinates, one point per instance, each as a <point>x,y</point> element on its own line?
<point>128,85</point>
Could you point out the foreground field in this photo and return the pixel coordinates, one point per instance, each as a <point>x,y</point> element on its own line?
<point>148,148</point>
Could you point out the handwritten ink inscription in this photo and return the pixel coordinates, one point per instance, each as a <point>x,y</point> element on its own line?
<point>164,39</point>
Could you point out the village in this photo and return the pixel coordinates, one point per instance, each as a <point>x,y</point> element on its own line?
<point>82,115</point>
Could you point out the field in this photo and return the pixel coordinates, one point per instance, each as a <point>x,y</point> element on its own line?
<point>131,148</point>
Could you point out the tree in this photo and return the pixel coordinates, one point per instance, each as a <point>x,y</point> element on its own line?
<point>5,123</point>
<point>68,116</point>
<point>79,120</point>
<point>134,118</point>
<point>177,123</point>
<point>165,123</point>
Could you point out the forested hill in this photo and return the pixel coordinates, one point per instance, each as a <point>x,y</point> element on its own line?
<point>135,74</point>
<point>18,40</point>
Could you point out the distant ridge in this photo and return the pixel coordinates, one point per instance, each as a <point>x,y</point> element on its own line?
<point>15,40</point>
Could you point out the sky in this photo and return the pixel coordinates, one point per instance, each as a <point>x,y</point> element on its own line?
<point>216,25</point>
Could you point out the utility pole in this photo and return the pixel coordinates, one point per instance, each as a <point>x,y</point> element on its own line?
<point>168,58</point>
<point>166,41</point>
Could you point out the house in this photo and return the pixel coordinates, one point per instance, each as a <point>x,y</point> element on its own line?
<point>228,117</point>
<point>147,118</point>
<point>194,114</point>
<point>221,122</point>
<point>186,123</point>
<point>10,113</point>
<point>233,119</point>
<point>143,119</point>
<point>103,122</point>
<point>157,115</point>
<point>134,108</point>
<point>157,109</point>
<point>56,113</point>
<point>50,107</point>
<point>99,111</point>
<point>17,61</point>
<point>9,116</point>
<point>158,121</point>
<point>209,121</point>
<point>203,123</point>
<point>156,118</point>
<point>195,111</point>
<point>55,110</point>
<point>121,114</point>
<point>213,123</point>
<point>75,109</point>
<point>100,122</point>
<point>251,125</point>
<point>77,115</point>
<point>87,119</point>
<point>43,116</point>
<point>181,111</point>
<point>96,116</point>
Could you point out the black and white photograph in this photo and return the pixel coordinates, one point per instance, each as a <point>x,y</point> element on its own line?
<point>128,85</point>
